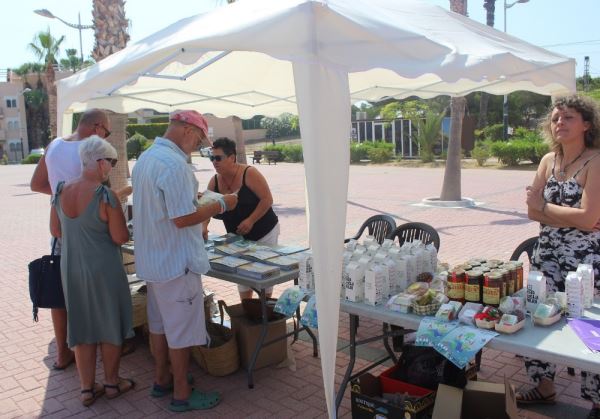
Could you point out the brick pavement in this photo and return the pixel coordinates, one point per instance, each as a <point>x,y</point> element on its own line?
<point>30,389</point>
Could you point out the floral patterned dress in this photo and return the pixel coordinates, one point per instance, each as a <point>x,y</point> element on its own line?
<point>559,251</point>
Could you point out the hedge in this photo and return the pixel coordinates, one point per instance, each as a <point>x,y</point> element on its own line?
<point>291,152</point>
<point>150,131</point>
<point>31,159</point>
<point>371,151</point>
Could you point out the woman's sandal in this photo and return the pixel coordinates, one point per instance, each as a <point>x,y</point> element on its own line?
<point>95,393</point>
<point>119,389</point>
<point>533,396</point>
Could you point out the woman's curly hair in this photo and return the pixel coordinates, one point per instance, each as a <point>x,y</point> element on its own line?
<point>590,112</point>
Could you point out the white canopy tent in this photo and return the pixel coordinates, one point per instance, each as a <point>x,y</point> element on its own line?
<point>314,57</point>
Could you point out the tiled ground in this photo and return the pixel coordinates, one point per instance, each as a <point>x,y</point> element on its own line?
<point>28,388</point>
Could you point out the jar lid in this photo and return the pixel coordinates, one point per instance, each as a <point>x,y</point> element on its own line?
<point>474,272</point>
<point>518,263</point>
<point>494,275</point>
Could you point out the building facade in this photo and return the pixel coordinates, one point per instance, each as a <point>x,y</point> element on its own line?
<point>13,123</point>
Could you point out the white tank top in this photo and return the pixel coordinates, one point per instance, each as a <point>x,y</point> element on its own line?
<point>62,161</point>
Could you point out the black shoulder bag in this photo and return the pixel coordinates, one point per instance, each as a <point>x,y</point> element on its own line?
<point>45,285</point>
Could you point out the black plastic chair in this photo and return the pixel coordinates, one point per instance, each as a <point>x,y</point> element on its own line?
<point>525,247</point>
<point>379,226</point>
<point>416,231</point>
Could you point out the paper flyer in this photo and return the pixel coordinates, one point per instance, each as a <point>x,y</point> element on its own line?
<point>309,316</point>
<point>289,301</point>
<point>461,344</point>
<point>432,330</point>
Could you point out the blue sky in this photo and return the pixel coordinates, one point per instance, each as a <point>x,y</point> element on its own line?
<point>565,27</point>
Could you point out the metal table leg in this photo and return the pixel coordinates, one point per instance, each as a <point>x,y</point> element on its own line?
<point>261,339</point>
<point>348,373</point>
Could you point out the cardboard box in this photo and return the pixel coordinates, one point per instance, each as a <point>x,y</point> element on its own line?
<point>247,333</point>
<point>366,399</point>
<point>479,399</point>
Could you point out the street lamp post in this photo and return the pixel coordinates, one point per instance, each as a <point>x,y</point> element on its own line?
<point>505,103</point>
<point>79,26</point>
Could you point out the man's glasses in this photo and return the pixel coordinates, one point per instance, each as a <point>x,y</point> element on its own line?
<point>113,162</point>
<point>217,158</point>
<point>106,131</point>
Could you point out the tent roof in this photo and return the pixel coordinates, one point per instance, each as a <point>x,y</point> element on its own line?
<point>236,60</point>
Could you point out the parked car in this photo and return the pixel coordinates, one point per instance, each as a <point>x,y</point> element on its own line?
<point>37,152</point>
<point>205,151</point>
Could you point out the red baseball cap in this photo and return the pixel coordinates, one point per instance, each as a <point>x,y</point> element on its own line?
<point>191,117</point>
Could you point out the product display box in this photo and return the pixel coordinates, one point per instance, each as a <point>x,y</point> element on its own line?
<point>479,399</point>
<point>247,333</point>
<point>368,404</point>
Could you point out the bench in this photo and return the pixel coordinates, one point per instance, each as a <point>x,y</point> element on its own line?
<point>271,156</point>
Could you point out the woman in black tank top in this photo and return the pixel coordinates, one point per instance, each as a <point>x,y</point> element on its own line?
<point>253,217</point>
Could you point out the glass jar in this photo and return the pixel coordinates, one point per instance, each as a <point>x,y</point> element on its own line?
<point>505,280</point>
<point>512,281</point>
<point>456,285</point>
<point>519,266</point>
<point>492,288</point>
<point>474,286</point>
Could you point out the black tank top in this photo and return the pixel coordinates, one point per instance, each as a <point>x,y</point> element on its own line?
<point>247,203</point>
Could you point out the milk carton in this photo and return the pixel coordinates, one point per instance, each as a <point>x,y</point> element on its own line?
<point>359,252</point>
<point>351,245</point>
<point>369,240</point>
<point>393,275</point>
<point>376,284</point>
<point>354,282</point>
<point>536,290</point>
<point>575,297</point>
<point>306,277</point>
<point>433,257</point>
<point>387,244</point>
<point>411,268</point>
<point>586,272</point>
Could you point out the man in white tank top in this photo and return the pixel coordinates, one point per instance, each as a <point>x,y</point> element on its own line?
<point>59,163</point>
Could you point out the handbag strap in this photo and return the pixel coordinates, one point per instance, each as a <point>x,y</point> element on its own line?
<point>53,245</point>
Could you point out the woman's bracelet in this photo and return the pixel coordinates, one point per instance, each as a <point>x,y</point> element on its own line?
<point>222,204</point>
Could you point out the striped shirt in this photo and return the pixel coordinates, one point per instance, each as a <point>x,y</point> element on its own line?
<point>164,188</point>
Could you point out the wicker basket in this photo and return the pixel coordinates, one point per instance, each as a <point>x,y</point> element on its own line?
<point>138,301</point>
<point>222,358</point>
<point>427,310</point>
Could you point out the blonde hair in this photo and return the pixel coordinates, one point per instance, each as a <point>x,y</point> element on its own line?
<point>95,148</point>
<point>589,111</point>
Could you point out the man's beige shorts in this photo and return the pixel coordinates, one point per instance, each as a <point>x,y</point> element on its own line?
<point>176,309</point>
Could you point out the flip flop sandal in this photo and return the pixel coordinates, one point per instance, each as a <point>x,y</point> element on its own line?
<point>196,401</point>
<point>161,391</point>
<point>118,388</point>
<point>57,367</point>
<point>533,396</point>
<point>96,393</point>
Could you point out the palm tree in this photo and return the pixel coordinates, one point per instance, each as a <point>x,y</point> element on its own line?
<point>451,188</point>
<point>490,9</point>
<point>427,133</point>
<point>36,104</point>
<point>110,27</point>
<point>46,48</point>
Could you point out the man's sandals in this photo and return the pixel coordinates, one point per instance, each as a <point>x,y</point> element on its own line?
<point>122,387</point>
<point>533,396</point>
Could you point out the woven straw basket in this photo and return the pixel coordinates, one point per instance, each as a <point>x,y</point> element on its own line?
<point>138,301</point>
<point>222,358</point>
<point>426,310</point>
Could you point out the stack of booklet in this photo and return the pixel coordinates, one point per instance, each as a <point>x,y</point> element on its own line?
<point>227,238</point>
<point>259,255</point>
<point>231,249</point>
<point>258,270</point>
<point>227,263</point>
<point>285,263</point>
<point>287,250</point>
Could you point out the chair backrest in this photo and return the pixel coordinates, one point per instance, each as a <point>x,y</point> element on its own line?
<point>416,231</point>
<point>527,247</point>
<point>379,226</point>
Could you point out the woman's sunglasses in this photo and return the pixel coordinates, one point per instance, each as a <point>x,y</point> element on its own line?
<point>113,162</point>
<point>217,158</point>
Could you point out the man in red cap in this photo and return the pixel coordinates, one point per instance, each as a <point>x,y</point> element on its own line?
<point>170,255</point>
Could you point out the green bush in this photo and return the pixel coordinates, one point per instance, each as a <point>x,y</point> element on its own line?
<point>481,152</point>
<point>147,130</point>
<point>31,159</point>
<point>135,145</point>
<point>379,154</point>
<point>291,152</point>
<point>358,152</point>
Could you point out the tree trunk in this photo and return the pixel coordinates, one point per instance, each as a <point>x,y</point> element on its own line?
<point>240,145</point>
<point>110,27</point>
<point>51,90</point>
<point>451,187</point>
<point>482,121</point>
